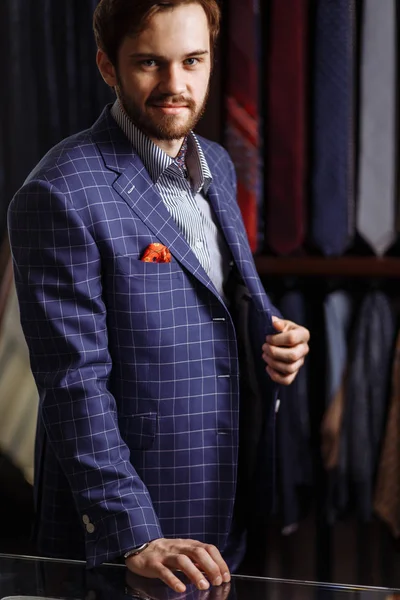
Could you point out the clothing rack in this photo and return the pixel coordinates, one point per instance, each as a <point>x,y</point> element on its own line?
<point>331,543</point>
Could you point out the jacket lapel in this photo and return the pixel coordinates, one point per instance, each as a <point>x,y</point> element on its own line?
<point>135,186</point>
<point>222,208</point>
<point>236,238</point>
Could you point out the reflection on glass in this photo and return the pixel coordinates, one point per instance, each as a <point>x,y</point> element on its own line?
<point>23,578</point>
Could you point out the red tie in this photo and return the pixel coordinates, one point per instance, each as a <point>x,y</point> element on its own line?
<point>286,126</point>
<point>243,139</point>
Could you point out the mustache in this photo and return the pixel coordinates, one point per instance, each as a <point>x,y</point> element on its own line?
<point>179,100</point>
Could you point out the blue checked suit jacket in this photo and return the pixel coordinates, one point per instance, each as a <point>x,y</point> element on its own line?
<point>136,363</point>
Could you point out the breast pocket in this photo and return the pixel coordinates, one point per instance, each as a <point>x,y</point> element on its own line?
<point>143,300</point>
<point>133,267</point>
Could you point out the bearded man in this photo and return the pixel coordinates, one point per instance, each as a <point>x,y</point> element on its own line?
<point>151,337</point>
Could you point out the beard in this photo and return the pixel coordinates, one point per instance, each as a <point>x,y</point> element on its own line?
<point>160,126</point>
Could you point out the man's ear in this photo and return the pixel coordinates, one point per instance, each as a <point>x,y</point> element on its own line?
<point>106,68</point>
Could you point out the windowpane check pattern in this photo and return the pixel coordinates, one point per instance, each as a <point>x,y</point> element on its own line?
<point>136,363</point>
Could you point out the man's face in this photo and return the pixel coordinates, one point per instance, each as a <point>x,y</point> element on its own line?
<point>163,74</point>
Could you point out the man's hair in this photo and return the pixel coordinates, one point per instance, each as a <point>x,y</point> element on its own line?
<point>113,20</point>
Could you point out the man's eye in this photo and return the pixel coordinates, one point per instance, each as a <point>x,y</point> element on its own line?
<point>149,63</point>
<point>191,62</point>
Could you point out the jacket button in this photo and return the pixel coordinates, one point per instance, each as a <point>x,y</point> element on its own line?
<point>85,519</point>
<point>90,528</point>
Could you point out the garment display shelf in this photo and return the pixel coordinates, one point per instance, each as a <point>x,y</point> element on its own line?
<point>349,266</point>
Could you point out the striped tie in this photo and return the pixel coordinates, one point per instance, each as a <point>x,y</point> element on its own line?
<point>242,136</point>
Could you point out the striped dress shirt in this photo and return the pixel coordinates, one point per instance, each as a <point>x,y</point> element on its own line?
<point>185,198</point>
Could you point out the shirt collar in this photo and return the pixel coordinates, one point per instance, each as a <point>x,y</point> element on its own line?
<point>156,161</point>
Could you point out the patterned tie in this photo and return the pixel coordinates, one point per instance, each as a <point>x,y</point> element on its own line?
<point>180,160</point>
<point>332,223</point>
<point>242,136</point>
<point>285,124</point>
<point>376,202</point>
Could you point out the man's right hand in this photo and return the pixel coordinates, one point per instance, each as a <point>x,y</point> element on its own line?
<point>199,562</point>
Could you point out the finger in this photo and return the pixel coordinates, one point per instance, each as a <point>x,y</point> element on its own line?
<point>183,563</point>
<point>284,368</point>
<point>206,563</point>
<point>280,324</point>
<point>221,592</point>
<point>290,338</point>
<point>223,567</point>
<point>226,588</point>
<point>284,355</point>
<point>279,378</point>
<point>167,576</point>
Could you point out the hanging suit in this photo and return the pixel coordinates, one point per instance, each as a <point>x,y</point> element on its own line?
<point>366,401</point>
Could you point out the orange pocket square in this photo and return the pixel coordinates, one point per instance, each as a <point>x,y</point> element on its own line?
<point>157,253</point>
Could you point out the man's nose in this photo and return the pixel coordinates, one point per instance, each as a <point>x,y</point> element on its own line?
<point>172,81</point>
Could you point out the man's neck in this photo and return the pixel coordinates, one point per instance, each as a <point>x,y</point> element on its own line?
<point>170,147</point>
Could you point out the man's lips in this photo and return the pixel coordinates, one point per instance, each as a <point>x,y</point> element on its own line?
<point>171,109</point>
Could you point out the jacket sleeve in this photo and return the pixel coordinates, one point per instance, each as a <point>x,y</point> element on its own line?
<point>57,271</point>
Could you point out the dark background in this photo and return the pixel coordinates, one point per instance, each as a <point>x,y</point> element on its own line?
<point>51,87</point>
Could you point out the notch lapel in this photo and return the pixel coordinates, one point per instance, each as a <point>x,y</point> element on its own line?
<point>236,238</point>
<point>135,186</point>
<point>226,219</point>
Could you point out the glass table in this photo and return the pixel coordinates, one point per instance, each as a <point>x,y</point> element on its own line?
<point>26,578</point>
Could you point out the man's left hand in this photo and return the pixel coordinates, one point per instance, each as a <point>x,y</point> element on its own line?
<point>285,351</point>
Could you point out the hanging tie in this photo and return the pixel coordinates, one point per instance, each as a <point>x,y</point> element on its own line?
<point>285,125</point>
<point>332,225</point>
<point>243,139</point>
<point>376,203</point>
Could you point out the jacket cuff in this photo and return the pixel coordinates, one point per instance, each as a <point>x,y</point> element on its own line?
<point>116,534</point>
